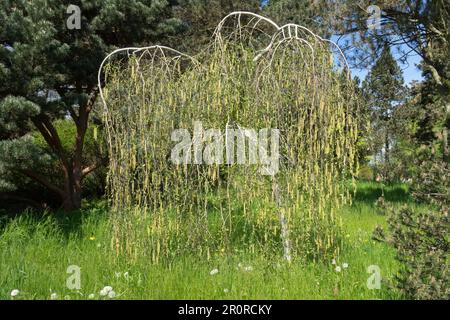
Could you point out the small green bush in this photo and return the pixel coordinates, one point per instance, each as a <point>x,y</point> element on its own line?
<point>421,240</point>
<point>365,173</point>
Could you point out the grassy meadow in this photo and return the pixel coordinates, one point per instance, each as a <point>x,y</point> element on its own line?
<point>35,252</point>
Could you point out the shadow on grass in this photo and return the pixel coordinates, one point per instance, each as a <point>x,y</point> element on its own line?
<point>369,192</point>
<point>69,224</point>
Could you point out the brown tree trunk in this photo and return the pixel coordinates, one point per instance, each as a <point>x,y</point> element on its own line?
<point>74,178</point>
<point>386,156</point>
<point>74,172</point>
<point>71,202</point>
<point>445,144</point>
<point>71,199</point>
<point>446,154</point>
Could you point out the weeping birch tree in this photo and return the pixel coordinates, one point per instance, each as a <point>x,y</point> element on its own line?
<point>280,93</point>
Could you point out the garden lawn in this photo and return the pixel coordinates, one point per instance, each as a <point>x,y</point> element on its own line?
<point>35,252</point>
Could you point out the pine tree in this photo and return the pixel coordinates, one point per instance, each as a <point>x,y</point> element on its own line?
<point>384,90</point>
<point>200,19</point>
<point>315,15</point>
<point>48,71</point>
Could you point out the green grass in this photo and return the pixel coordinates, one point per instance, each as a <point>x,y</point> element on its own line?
<point>35,252</point>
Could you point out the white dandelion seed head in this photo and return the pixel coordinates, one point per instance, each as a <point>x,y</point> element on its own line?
<point>67,298</point>
<point>214,271</point>
<point>91,296</point>
<point>111,294</point>
<point>333,262</point>
<point>338,269</point>
<point>108,289</point>
<point>103,292</point>
<point>54,296</point>
<point>226,290</point>
<point>15,293</point>
<point>345,265</point>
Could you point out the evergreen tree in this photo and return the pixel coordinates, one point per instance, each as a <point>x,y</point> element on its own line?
<point>314,15</point>
<point>200,19</point>
<point>48,71</point>
<point>384,90</point>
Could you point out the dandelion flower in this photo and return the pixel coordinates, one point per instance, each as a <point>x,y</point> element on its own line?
<point>338,269</point>
<point>15,293</point>
<point>53,296</point>
<point>214,271</point>
<point>111,294</point>
<point>345,265</point>
<point>92,238</point>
